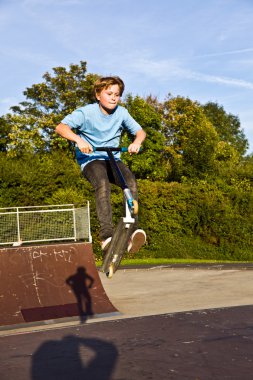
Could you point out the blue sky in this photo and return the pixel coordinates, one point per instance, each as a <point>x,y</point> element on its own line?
<point>193,48</point>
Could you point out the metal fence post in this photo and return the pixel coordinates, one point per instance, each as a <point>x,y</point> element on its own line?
<point>18,226</point>
<point>74,222</point>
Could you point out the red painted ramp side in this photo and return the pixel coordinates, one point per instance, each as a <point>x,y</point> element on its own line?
<point>48,282</point>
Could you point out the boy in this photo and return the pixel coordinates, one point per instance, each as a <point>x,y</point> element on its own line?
<point>101,124</point>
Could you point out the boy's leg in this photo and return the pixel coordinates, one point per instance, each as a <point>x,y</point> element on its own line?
<point>96,173</point>
<point>138,237</point>
<point>131,183</point>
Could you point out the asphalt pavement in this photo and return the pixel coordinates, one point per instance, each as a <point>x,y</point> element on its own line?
<point>174,323</point>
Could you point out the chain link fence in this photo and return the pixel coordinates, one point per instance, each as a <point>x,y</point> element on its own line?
<point>32,224</point>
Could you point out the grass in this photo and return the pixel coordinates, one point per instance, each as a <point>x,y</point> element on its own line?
<point>160,261</point>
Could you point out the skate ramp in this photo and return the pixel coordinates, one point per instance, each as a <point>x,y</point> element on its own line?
<point>45,282</point>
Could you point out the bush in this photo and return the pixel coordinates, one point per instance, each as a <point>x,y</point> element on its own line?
<point>196,220</point>
<point>182,220</point>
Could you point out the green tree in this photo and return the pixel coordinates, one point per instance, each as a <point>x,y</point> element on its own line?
<point>33,121</point>
<point>227,126</point>
<point>182,135</point>
<point>152,163</point>
<point>190,137</point>
<point>4,133</point>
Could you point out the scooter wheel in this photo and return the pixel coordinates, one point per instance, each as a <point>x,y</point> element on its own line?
<point>135,207</point>
<point>110,271</point>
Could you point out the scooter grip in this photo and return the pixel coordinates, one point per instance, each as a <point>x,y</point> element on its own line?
<point>125,149</point>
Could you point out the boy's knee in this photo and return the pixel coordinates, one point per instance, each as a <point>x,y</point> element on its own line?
<point>103,188</point>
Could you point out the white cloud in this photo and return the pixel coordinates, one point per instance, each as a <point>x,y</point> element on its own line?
<point>7,100</point>
<point>220,80</point>
<point>26,55</point>
<point>198,49</point>
<point>224,53</point>
<point>169,69</point>
<point>28,3</point>
<point>6,103</point>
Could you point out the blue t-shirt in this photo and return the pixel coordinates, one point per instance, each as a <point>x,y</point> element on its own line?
<point>100,130</point>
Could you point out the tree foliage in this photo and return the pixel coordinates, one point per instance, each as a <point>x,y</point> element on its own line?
<point>190,136</point>
<point>151,163</point>
<point>32,122</point>
<point>4,134</point>
<point>195,220</point>
<point>34,179</point>
<point>195,184</point>
<point>184,139</point>
<point>227,126</point>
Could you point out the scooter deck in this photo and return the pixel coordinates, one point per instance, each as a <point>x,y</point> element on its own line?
<point>117,247</point>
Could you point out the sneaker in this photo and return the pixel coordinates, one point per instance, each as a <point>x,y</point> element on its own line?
<point>105,243</point>
<point>138,238</point>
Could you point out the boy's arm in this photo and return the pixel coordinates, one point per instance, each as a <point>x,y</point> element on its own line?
<point>140,136</point>
<point>65,131</point>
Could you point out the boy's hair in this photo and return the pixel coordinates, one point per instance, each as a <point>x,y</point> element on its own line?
<point>105,82</point>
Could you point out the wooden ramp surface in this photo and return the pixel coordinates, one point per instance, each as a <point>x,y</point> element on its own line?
<point>50,281</point>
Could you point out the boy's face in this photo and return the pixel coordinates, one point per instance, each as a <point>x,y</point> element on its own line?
<point>109,98</point>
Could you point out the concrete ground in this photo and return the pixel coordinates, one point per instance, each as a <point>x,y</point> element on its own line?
<point>159,290</point>
<point>192,323</point>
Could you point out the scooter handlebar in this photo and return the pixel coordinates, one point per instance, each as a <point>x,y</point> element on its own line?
<point>112,149</point>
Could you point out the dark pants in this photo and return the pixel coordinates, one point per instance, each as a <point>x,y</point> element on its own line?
<point>100,174</point>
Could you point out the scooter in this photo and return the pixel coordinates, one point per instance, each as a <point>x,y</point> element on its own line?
<point>124,228</point>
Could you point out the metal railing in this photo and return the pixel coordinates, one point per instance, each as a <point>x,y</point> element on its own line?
<point>32,224</point>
